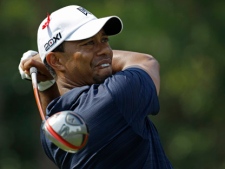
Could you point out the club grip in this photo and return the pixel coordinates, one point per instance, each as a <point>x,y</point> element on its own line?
<point>33,70</point>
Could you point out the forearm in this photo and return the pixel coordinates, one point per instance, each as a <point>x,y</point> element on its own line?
<point>48,95</point>
<point>125,59</point>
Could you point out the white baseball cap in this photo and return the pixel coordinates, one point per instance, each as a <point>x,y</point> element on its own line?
<point>73,23</point>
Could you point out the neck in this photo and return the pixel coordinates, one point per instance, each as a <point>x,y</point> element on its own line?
<point>63,88</point>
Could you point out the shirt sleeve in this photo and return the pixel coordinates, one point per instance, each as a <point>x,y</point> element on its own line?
<point>134,94</point>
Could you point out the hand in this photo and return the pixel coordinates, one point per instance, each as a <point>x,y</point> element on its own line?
<point>32,59</point>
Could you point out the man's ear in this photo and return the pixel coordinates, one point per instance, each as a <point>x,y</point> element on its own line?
<point>53,60</point>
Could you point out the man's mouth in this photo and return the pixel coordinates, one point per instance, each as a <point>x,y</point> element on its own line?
<point>105,65</point>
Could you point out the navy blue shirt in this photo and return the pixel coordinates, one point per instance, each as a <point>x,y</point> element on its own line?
<point>121,135</point>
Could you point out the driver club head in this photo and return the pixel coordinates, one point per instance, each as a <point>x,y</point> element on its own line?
<point>67,130</point>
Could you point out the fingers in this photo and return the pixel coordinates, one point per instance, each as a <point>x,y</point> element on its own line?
<point>44,77</point>
<point>35,61</point>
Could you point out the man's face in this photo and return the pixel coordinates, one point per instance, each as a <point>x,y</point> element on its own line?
<point>87,61</point>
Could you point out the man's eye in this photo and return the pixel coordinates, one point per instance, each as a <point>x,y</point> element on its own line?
<point>105,40</point>
<point>89,43</point>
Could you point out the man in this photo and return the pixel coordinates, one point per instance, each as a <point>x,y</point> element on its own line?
<point>113,91</point>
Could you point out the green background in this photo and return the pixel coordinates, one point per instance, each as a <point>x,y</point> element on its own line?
<point>186,37</point>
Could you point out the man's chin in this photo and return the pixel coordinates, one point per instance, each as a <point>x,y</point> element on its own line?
<point>100,78</point>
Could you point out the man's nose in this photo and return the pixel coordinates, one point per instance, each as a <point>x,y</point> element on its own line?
<point>103,49</point>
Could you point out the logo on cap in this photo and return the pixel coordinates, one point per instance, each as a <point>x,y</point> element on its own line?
<point>52,41</point>
<point>84,11</point>
<point>47,22</point>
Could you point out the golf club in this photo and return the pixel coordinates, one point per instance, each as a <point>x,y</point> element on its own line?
<point>65,129</point>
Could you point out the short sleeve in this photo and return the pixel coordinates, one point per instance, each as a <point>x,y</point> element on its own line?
<point>135,94</point>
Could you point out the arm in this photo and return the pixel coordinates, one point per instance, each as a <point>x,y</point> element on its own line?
<point>121,61</point>
<point>51,93</point>
<point>48,95</point>
<point>126,59</point>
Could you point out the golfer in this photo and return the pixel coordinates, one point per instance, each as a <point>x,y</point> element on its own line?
<point>114,91</point>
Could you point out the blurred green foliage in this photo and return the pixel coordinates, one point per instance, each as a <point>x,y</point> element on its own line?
<point>186,37</point>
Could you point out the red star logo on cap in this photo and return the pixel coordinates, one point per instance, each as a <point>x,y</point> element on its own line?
<point>47,22</point>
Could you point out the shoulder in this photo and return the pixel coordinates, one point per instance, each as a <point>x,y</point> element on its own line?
<point>67,100</point>
<point>132,76</point>
<point>131,84</point>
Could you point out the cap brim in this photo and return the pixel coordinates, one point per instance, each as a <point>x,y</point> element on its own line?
<point>112,25</point>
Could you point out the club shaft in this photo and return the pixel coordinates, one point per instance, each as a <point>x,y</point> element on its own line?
<point>33,72</point>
